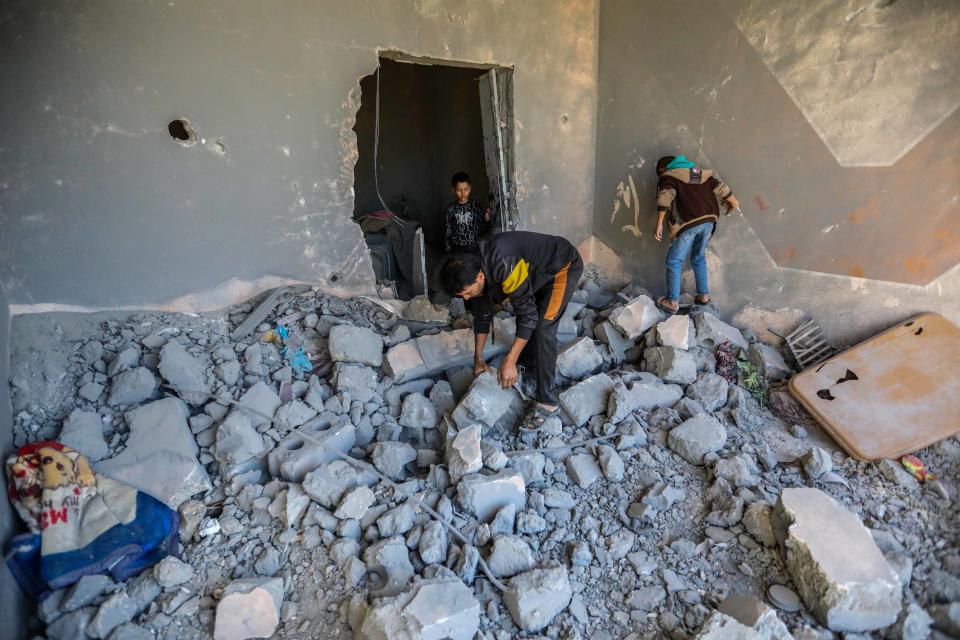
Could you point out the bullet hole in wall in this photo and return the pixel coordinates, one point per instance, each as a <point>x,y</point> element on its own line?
<point>181,131</point>
<point>334,277</point>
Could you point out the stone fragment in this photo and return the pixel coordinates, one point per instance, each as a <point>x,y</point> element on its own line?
<point>750,612</point>
<point>171,572</point>
<point>710,390</point>
<point>437,609</point>
<point>839,570</point>
<point>72,626</point>
<point>390,560</point>
<point>485,403</point>
<point>616,342</point>
<point>228,371</point>
<point>84,591</point>
<point>442,398</point>
<point>418,412</point>
<point>348,343</point>
<point>739,470</point>
<point>130,631</point>
<point>578,358</point>
<point>122,606</point>
<point>262,401</point>
<point>160,457</point>
<point>587,398</point>
<point>328,483</point>
<point>634,318</point>
<point>646,598</point>
<point>670,364</point>
<point>463,453</point>
<point>712,332</point>
<point>396,521</point>
<point>583,469</point>
<point>123,361</point>
<point>676,331</point>
<point>662,496</point>
<point>296,454</point>
<point>720,626</point>
<point>894,472</point>
<point>554,498</point>
<point>431,355</point>
<point>83,431</point>
<point>727,511</point>
<point>433,543</point>
<point>357,380</point>
<point>697,437</point>
<point>237,440</point>
<point>641,396</point>
<point>816,462</point>
<point>757,518</point>
<point>610,463</point>
<point>537,596</point>
<point>184,372</point>
<point>769,361</point>
<point>391,458</point>
<point>249,608</point>
<point>132,386</point>
<point>484,495</point>
<point>530,464</point>
<point>293,414</point>
<point>509,556</point>
<point>355,503</point>
<point>91,391</point>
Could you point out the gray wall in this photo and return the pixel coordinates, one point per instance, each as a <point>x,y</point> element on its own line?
<point>13,606</point>
<point>99,207</point>
<point>841,147</point>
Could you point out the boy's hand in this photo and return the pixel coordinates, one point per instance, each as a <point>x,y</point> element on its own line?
<point>479,366</point>
<point>659,234</point>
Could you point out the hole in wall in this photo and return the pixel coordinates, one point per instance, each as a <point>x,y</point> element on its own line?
<point>334,277</point>
<point>181,131</point>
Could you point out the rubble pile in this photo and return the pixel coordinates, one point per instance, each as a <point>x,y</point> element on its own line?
<point>382,491</point>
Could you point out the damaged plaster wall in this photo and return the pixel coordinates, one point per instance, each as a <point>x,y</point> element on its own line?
<point>100,207</point>
<point>857,234</point>
<point>13,606</point>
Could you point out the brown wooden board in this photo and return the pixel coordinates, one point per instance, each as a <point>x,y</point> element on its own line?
<point>889,396</point>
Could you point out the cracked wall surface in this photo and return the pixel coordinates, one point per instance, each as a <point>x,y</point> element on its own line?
<point>856,247</point>
<point>100,207</point>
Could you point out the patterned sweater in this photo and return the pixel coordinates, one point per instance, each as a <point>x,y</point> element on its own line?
<point>465,225</point>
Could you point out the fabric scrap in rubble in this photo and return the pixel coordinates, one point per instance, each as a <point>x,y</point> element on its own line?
<point>81,522</point>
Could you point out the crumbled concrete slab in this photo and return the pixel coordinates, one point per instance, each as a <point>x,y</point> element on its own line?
<point>357,380</point>
<point>122,606</point>
<point>185,372</point>
<point>355,503</point>
<point>296,455</point>
<point>83,431</point>
<point>328,483</point>
<point>509,556</point>
<point>587,398</point>
<point>124,361</point>
<point>263,401</point>
<point>293,414</point>
<point>754,614</point>
<point>530,464</point>
<point>634,318</point>
<point>391,458</point>
<point>131,387</point>
<point>484,495</point>
<point>485,403</point>
<point>583,469</point>
<point>839,570</point>
<point>348,343</point>
<point>670,364</point>
<point>84,592</point>
<point>697,437</point>
<point>418,412</point>
<point>396,521</point>
<point>712,332</point>
<point>640,396</point>
<point>769,361</point>
<point>91,391</point>
<point>739,470</point>
<point>578,358</point>
<point>437,609</point>
<point>433,544</point>
<point>675,331</point>
<point>71,626</point>
<point>616,342</point>
<point>537,596</point>
<point>249,608</point>
<point>710,390</point>
<point>442,397</point>
<point>611,463</point>
<point>237,441</point>
<point>464,455</point>
<point>431,355</point>
<point>389,559</point>
<point>161,454</point>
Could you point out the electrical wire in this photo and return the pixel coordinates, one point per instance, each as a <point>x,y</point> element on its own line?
<point>376,150</point>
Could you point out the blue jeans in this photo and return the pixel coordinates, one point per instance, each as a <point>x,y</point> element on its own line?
<point>692,241</point>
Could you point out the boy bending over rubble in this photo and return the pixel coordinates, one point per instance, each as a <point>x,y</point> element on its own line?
<point>538,273</point>
<point>690,194</point>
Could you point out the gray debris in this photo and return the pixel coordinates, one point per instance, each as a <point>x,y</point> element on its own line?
<point>610,462</point>
<point>355,344</point>
<point>464,455</point>
<point>390,559</point>
<point>171,572</point>
<point>357,380</point>
<point>509,556</point>
<point>485,403</point>
<point>634,318</point>
<point>739,470</point>
<point>123,605</point>
<point>768,361</point>
<point>183,371</point>
<point>355,503</point>
<point>697,437</point>
<point>391,458</point>
<point>583,469</point>
<point>123,361</point>
<point>433,543</point>
<point>537,596</point>
<point>641,395</point>
<point>83,431</point>
<point>670,364</point>
<point>249,608</point>
<point>946,618</point>
<point>586,399</point>
<point>91,391</point>
<point>131,387</point>
<point>262,400</point>
<point>757,518</point>
<point>676,331</point>
<point>484,495</point>
<point>816,462</point>
<point>418,412</point>
<point>237,440</point>
<point>328,483</point>
<point>293,414</point>
<point>615,341</point>
<point>710,390</point>
<point>646,598</point>
<point>712,332</point>
<point>396,521</point>
<point>437,609</point>
<point>84,591</point>
<point>530,464</point>
<point>578,358</point>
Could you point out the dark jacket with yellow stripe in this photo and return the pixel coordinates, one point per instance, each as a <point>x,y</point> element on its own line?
<point>518,264</point>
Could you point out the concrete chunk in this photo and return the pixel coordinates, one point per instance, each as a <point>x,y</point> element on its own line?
<point>463,453</point>
<point>640,396</point>
<point>348,343</point>
<point>183,371</point>
<point>433,354</point>
<point>295,455</point>
<point>485,402</point>
<point>839,570</point>
<point>83,431</point>
<point>537,596</point>
<point>249,608</point>
<point>768,361</point>
<point>131,387</point>
<point>263,401</point>
<point>697,437</point>
<point>578,358</point>
<point>615,341</point>
<point>583,469</point>
<point>328,483</point>
<point>391,458</point>
<point>635,318</point>
<point>484,495</point>
<point>675,331</point>
<point>712,332</point>
<point>84,591</point>
<point>586,399</point>
<point>390,559</point>
<point>435,609</point>
<point>509,556</point>
<point>670,364</point>
<point>161,454</point>
<point>418,412</point>
<point>357,380</point>
<point>710,390</point>
<point>237,440</point>
<point>293,414</point>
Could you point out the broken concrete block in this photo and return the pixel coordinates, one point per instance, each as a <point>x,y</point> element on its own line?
<point>768,361</point>
<point>586,399</point>
<point>237,440</point>
<point>184,372</point>
<point>391,458</point>
<point>758,520</point>
<point>530,464</point>
<point>583,469</point>
<point>635,318</point>
<point>228,371</point>
<point>616,342</point>
<point>739,470</point>
<point>396,521</point>
<point>675,331</point>
<point>712,332</point>
<point>262,401</point>
<point>389,560</point>
<point>328,483</point>
<point>122,606</point>
<point>484,495</point>
<point>578,358</point>
<point>463,453</point>
<point>293,414</point>
<point>357,380</point>
<point>640,396</point>
<point>839,570</point>
<point>509,556</point>
<point>355,503</point>
<point>442,398</point>
<point>610,463</point>
<point>537,596</point>
<point>249,608</point>
<point>84,591</point>
<point>433,543</point>
<point>816,462</point>
<point>171,572</point>
<point>697,437</point>
<point>348,343</point>
<point>90,391</point>
<point>437,609</point>
<point>418,412</point>
<point>710,390</point>
<point>670,364</point>
<point>296,455</point>
<point>123,361</point>
<point>131,387</point>
<point>433,354</point>
<point>160,457</point>
<point>723,626</point>
<point>83,431</point>
<point>485,402</point>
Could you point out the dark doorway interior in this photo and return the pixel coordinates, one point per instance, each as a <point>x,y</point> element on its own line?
<point>431,125</point>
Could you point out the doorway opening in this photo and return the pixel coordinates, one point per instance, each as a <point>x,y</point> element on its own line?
<point>420,122</point>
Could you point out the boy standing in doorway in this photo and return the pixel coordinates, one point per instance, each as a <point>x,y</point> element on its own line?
<point>692,194</point>
<point>466,220</point>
